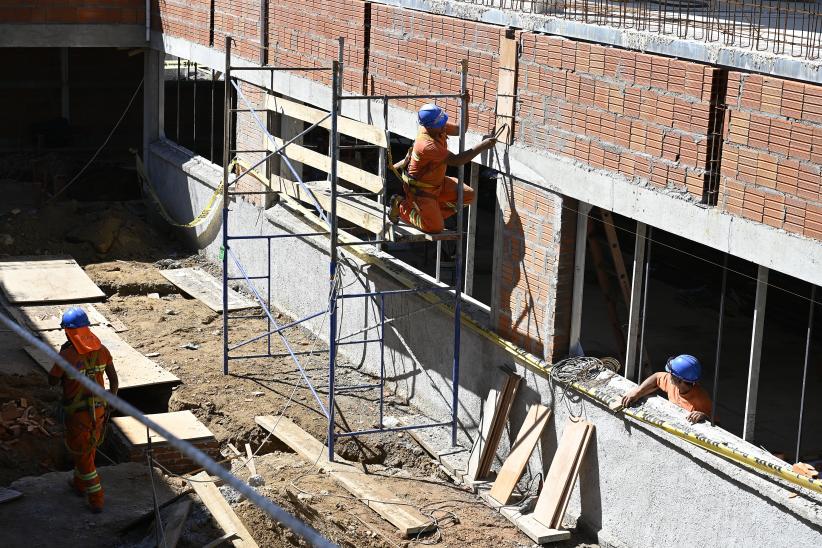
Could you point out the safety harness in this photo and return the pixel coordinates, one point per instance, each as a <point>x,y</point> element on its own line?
<point>84,402</point>
<point>412,187</point>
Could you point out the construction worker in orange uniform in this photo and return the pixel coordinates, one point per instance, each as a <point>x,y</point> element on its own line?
<point>680,384</point>
<point>84,414</point>
<point>430,195</point>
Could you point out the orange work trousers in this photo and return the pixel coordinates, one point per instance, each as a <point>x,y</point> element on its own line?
<point>82,437</point>
<point>427,210</point>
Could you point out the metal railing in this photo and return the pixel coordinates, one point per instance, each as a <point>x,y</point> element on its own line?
<point>783,27</point>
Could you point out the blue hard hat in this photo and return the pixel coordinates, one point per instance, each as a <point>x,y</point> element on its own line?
<point>432,116</point>
<point>74,318</point>
<point>684,367</point>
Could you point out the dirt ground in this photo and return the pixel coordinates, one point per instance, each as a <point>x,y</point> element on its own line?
<point>165,323</point>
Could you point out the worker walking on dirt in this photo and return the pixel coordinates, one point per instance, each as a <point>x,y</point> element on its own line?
<point>431,196</point>
<point>680,383</point>
<point>84,414</point>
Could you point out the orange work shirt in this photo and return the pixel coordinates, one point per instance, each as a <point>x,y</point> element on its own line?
<point>697,399</point>
<point>96,360</point>
<point>428,157</point>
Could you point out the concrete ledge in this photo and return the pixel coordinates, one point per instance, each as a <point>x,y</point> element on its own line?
<point>72,36</point>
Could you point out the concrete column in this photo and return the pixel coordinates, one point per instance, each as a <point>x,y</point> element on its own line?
<point>579,277</point>
<point>631,360</point>
<point>749,427</point>
<point>153,92</point>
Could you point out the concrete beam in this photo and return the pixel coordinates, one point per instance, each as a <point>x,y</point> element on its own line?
<point>72,36</point>
<point>579,277</point>
<point>673,212</point>
<point>631,361</point>
<point>649,42</point>
<point>757,334</point>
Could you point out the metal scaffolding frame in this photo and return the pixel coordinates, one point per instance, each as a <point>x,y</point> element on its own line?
<point>330,219</point>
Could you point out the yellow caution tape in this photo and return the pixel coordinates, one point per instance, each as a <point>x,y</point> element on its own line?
<point>199,219</point>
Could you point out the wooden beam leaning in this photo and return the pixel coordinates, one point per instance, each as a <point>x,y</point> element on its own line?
<point>507,85</point>
<point>347,172</point>
<point>513,467</point>
<point>347,126</point>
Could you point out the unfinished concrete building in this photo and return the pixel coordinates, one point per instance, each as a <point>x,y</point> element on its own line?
<point>655,191</point>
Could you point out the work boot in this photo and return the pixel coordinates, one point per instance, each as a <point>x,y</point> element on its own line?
<point>394,211</point>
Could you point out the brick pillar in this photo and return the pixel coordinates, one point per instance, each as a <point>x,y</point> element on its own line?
<point>536,231</point>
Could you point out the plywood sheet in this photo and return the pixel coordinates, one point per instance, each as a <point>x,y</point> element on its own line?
<point>133,369</point>
<point>43,279</point>
<point>561,473</point>
<point>368,489</point>
<point>45,317</point>
<point>513,467</point>
<point>183,424</point>
<point>206,289</point>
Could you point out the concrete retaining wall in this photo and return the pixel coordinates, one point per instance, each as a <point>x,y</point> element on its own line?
<point>638,486</point>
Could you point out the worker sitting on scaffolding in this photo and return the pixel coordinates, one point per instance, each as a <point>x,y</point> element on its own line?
<point>680,383</point>
<point>430,195</point>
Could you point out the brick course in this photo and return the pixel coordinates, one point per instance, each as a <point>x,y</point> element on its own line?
<point>418,53</point>
<point>125,12</point>
<point>644,116</point>
<point>772,153</point>
<point>189,19</point>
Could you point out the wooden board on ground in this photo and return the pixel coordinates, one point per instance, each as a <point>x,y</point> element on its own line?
<point>562,473</point>
<point>407,519</point>
<point>46,317</point>
<point>206,289</point>
<point>46,278</point>
<point>486,422</point>
<point>220,510</point>
<point>348,126</point>
<point>513,467</point>
<point>182,424</point>
<point>133,369</point>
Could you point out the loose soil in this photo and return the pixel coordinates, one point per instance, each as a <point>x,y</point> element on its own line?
<point>167,322</point>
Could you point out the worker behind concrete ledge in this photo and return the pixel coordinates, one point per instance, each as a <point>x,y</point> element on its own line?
<point>431,196</point>
<point>84,414</point>
<point>680,383</point>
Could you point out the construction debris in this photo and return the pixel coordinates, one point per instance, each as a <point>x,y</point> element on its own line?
<point>18,417</point>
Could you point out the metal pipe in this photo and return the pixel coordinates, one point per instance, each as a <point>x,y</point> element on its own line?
<point>178,99</point>
<point>356,387</point>
<point>364,341</point>
<point>455,373</point>
<point>226,168</point>
<point>719,339</point>
<point>394,429</point>
<point>332,339</point>
<point>268,302</point>
<point>292,69</point>
<point>647,281</point>
<point>388,97</point>
<point>382,358</point>
<point>194,112</point>
<point>272,237</point>
<point>805,373</point>
<point>396,292</point>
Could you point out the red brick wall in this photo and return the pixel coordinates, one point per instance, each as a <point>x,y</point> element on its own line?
<point>189,19</point>
<point>418,53</point>
<point>304,34</point>
<point>240,19</point>
<point>129,12</point>
<point>537,235</point>
<point>644,116</point>
<point>772,153</point>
